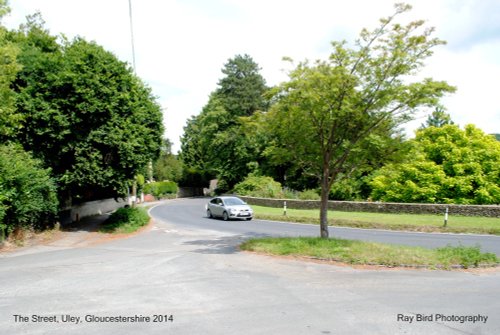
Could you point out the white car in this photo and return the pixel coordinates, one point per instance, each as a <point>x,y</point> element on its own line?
<point>229,208</point>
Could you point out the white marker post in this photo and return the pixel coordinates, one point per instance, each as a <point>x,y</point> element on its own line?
<point>446,217</point>
<point>284,208</point>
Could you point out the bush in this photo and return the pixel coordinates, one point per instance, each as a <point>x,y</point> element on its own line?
<point>259,186</point>
<point>192,177</point>
<point>445,165</point>
<point>161,189</point>
<point>125,220</point>
<point>309,195</point>
<point>28,197</point>
<point>222,187</point>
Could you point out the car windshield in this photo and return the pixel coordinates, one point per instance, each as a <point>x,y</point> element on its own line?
<point>233,201</point>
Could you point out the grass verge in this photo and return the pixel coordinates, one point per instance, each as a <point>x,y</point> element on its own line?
<point>407,222</point>
<point>125,220</point>
<point>368,253</point>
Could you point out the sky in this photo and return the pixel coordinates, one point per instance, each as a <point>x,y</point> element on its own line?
<point>182,45</point>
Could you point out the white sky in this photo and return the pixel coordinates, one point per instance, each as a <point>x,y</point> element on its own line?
<point>181,45</point>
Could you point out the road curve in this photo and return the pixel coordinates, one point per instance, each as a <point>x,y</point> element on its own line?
<point>186,275</point>
<point>191,213</point>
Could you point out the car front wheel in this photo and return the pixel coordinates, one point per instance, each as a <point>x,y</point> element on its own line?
<point>225,217</point>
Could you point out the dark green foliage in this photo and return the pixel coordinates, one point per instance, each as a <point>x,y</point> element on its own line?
<point>167,166</point>
<point>242,88</point>
<point>86,115</point>
<point>28,195</point>
<point>217,141</point>
<point>193,177</point>
<point>125,220</point>
<point>161,188</point>
<point>10,119</point>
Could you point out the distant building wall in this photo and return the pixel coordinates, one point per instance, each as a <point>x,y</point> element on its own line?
<point>187,192</point>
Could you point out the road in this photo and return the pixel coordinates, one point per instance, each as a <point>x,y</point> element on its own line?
<point>191,214</point>
<point>189,267</point>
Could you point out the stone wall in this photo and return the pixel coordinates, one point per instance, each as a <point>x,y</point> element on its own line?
<point>77,212</point>
<point>381,207</point>
<point>187,192</point>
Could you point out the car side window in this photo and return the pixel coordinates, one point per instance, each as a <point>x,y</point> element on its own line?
<point>219,202</point>
<point>213,201</point>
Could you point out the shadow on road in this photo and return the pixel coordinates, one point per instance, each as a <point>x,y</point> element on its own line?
<point>88,224</point>
<point>223,245</point>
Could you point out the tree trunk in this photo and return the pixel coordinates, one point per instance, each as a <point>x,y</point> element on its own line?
<point>134,193</point>
<point>323,212</point>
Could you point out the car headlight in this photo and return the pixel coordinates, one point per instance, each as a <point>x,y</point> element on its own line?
<point>233,211</point>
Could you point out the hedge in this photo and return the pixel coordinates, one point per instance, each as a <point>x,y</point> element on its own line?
<point>161,189</point>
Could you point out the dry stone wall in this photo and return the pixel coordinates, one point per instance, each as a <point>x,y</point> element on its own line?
<point>381,207</point>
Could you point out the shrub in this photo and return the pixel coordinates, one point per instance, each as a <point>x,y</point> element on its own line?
<point>125,220</point>
<point>259,186</point>
<point>222,187</point>
<point>161,189</point>
<point>445,165</point>
<point>309,195</point>
<point>290,194</point>
<point>28,197</point>
<point>194,178</point>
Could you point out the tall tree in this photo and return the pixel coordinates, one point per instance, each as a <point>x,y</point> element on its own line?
<point>438,118</point>
<point>214,141</point>
<point>10,119</point>
<point>327,109</point>
<point>167,167</point>
<point>86,115</point>
<point>242,88</point>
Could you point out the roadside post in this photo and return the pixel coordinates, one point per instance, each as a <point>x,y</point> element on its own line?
<point>284,208</point>
<point>446,217</point>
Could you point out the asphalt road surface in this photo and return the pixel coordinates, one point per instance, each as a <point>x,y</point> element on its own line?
<point>191,214</point>
<point>187,268</point>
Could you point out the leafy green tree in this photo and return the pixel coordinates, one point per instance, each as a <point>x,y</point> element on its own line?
<point>383,146</point>
<point>438,118</point>
<point>446,165</point>
<point>167,167</point>
<point>216,140</point>
<point>326,110</point>
<point>28,196</point>
<point>10,119</point>
<point>242,88</point>
<point>4,8</point>
<point>86,115</point>
<point>197,148</point>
